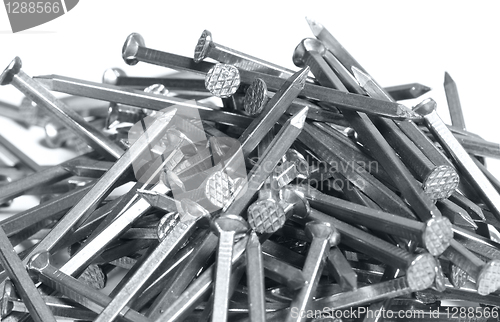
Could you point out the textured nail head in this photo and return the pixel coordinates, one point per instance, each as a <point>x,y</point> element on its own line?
<point>167,224</point>
<point>94,276</point>
<point>488,280</point>
<point>201,49</point>
<point>219,188</point>
<point>458,277</point>
<point>437,235</point>
<point>266,216</point>
<point>255,97</point>
<point>130,48</point>
<point>11,70</point>
<point>222,80</point>
<point>441,182</point>
<point>422,272</point>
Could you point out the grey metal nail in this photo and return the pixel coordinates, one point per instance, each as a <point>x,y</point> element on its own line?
<point>134,50</point>
<point>21,279</point>
<point>130,212</point>
<point>486,275</point>
<point>262,169</point>
<point>435,235</point>
<point>89,202</point>
<point>454,106</point>
<point>438,181</point>
<point>39,94</point>
<point>469,169</point>
<point>206,47</point>
<point>255,279</point>
<point>228,228</point>
<point>137,98</point>
<point>323,237</point>
<point>74,289</point>
<point>193,217</point>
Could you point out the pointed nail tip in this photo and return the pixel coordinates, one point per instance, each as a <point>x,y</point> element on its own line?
<point>314,25</point>
<point>447,78</point>
<point>253,239</point>
<point>361,77</point>
<point>146,194</point>
<point>299,119</point>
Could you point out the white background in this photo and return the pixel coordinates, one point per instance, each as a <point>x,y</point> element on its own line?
<point>396,41</point>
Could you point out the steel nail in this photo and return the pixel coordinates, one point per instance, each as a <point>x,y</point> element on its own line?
<point>167,277</point>
<point>222,80</point>
<point>192,296</point>
<point>473,174</point>
<point>116,76</point>
<point>193,217</point>
<point>420,268</point>
<point>228,228</point>
<point>74,289</point>
<point>206,47</point>
<point>283,272</point>
<point>476,243</point>
<point>320,144</point>
<point>134,51</point>
<point>323,237</point>
<point>486,275</point>
<point>455,214</point>
<point>465,293</point>
<point>479,147</point>
<point>364,295</point>
<point>94,276</point>
<point>341,270</point>
<point>123,220</point>
<point>439,182</point>
<point>21,279</point>
<point>183,276</point>
<point>60,307</point>
<point>89,202</point>
<point>350,63</point>
<point>435,234</point>
<point>320,32</point>
<point>24,160</point>
<point>454,106</point>
<point>137,98</point>
<point>262,169</point>
<point>44,177</point>
<point>34,90</point>
<point>12,112</point>
<point>255,279</point>
<point>257,95</point>
<point>308,52</point>
<point>272,111</point>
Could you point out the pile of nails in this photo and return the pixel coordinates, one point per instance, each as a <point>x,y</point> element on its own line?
<point>239,190</point>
